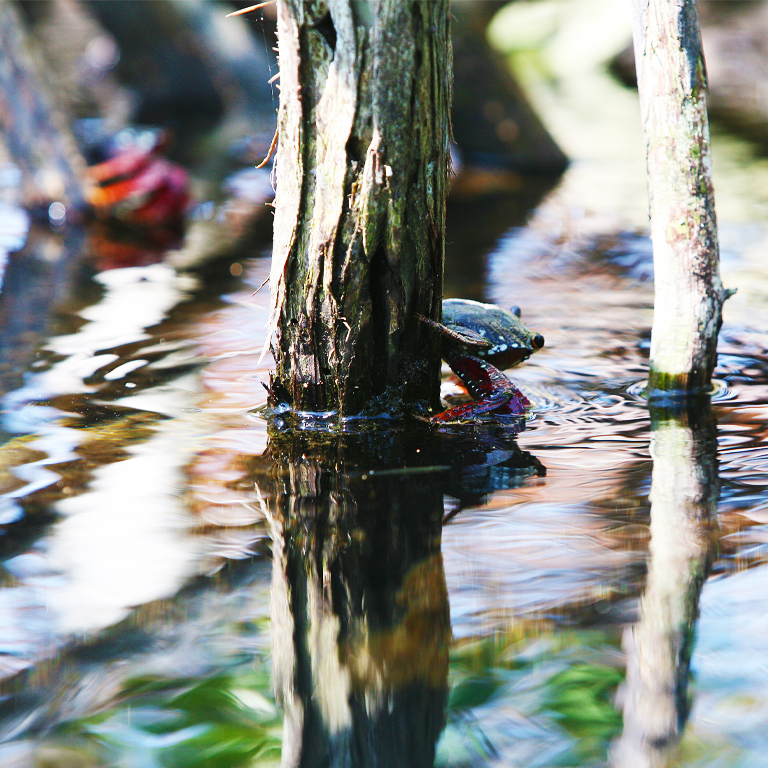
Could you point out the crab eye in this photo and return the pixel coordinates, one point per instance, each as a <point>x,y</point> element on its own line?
<point>537,342</point>
<point>515,310</point>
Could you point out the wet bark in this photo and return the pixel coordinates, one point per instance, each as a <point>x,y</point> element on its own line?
<point>362,170</point>
<point>673,98</point>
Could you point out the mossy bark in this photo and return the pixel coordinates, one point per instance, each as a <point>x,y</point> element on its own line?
<point>362,173</point>
<point>672,84</point>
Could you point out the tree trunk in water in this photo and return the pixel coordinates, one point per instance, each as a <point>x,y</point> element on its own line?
<point>689,296</point>
<point>32,133</point>
<point>362,170</point>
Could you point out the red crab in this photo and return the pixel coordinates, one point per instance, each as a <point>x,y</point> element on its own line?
<point>476,338</point>
<point>139,187</point>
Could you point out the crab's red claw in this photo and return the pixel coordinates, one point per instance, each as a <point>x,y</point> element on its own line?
<point>492,390</point>
<point>482,380</point>
<point>517,404</point>
<point>468,411</point>
<point>459,413</point>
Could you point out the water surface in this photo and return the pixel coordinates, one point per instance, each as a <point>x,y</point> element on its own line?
<point>171,572</point>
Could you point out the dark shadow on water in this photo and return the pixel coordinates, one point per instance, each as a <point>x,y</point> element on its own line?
<point>477,219</point>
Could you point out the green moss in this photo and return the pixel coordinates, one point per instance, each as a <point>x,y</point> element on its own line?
<point>676,387</point>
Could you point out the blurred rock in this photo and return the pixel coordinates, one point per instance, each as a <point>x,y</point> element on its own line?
<point>735,39</point>
<point>493,123</point>
<point>34,135</point>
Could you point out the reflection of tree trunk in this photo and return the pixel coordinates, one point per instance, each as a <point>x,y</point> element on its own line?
<point>684,495</point>
<point>359,605</point>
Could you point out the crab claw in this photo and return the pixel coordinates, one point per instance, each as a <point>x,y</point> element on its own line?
<point>492,390</point>
<point>517,404</point>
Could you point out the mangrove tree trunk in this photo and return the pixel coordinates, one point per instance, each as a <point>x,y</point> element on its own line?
<point>362,171</point>
<point>672,83</point>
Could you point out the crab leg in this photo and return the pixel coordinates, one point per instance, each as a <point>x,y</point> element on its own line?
<point>492,390</point>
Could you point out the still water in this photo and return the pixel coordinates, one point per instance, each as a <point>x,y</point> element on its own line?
<point>181,587</point>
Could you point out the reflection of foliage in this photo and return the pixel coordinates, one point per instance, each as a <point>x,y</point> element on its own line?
<point>224,721</point>
<point>539,700</point>
<point>478,672</point>
<point>477,678</point>
<point>580,696</point>
<point>530,697</point>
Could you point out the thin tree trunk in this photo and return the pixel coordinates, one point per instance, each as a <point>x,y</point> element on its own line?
<point>689,296</point>
<point>362,171</point>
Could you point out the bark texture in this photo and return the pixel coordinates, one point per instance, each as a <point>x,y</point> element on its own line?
<point>689,296</point>
<point>362,171</point>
